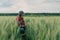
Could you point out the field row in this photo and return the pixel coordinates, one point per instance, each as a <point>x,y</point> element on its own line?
<point>38,28</point>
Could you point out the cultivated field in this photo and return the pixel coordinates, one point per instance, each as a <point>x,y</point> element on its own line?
<point>38,28</point>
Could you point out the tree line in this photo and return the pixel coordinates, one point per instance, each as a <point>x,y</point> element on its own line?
<point>33,14</point>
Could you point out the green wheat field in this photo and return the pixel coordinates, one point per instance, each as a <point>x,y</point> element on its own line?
<point>37,28</point>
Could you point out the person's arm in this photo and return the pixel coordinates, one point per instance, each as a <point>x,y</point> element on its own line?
<point>17,19</point>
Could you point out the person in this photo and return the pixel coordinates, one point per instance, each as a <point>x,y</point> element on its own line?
<point>21,22</point>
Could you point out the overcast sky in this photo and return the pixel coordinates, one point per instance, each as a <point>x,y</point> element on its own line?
<point>29,6</point>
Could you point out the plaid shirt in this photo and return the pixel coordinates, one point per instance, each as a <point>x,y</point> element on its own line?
<point>20,20</point>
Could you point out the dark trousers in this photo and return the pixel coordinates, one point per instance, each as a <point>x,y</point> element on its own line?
<point>22,30</point>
